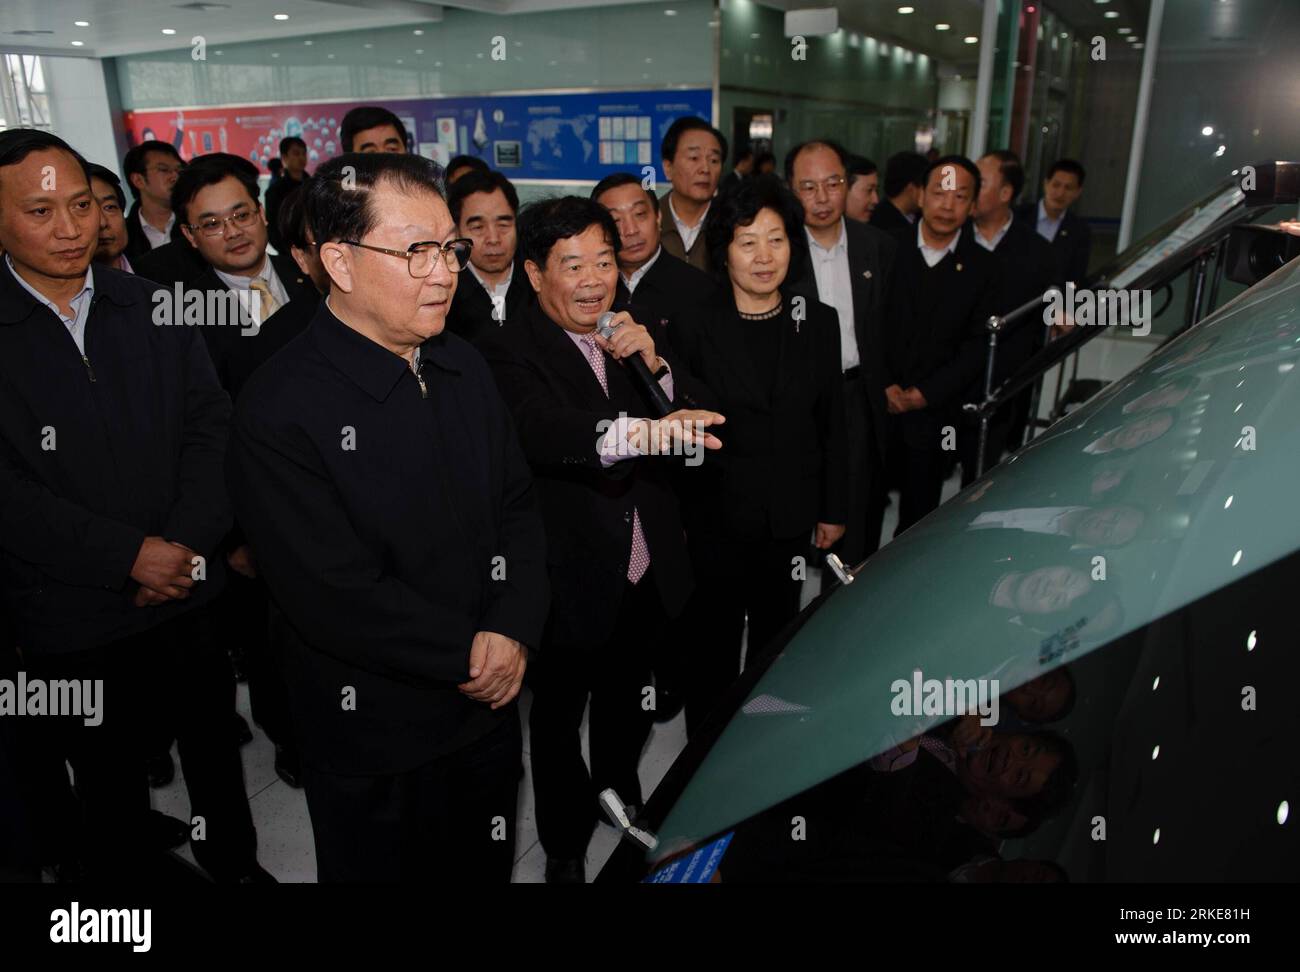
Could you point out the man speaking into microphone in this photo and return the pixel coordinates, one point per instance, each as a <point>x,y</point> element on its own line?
<point>582,388</point>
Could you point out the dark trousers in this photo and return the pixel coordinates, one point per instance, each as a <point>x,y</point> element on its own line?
<point>736,579</point>
<point>449,822</point>
<point>916,451</point>
<point>614,675</point>
<point>175,672</point>
<point>867,492</point>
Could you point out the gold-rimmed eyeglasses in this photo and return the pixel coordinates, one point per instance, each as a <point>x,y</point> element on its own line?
<point>216,225</point>
<point>422,257</point>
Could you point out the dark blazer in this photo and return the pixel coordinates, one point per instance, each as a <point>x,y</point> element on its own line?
<point>141,426</point>
<point>1026,267</point>
<point>137,244</point>
<point>1073,243</point>
<point>558,406</point>
<point>936,335</point>
<point>170,263</point>
<point>871,263</point>
<point>671,240</point>
<point>669,289</point>
<point>223,340</point>
<point>472,315</point>
<point>250,353</point>
<point>784,456</point>
<point>886,216</point>
<point>376,516</point>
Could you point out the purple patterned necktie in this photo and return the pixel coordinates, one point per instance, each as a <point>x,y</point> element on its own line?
<point>639,561</point>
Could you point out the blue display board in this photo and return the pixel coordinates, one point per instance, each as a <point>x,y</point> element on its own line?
<point>564,136</point>
<point>696,867</point>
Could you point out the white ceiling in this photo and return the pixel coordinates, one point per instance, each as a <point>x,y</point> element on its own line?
<point>135,26</point>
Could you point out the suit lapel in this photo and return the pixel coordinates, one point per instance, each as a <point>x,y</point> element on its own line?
<point>566,359</point>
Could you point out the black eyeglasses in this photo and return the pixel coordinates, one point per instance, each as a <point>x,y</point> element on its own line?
<point>422,257</point>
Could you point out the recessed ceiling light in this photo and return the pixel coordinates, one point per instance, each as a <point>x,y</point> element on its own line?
<point>1207,130</point>
<point>281,16</point>
<point>78,43</point>
<point>906,10</point>
<point>1124,30</point>
<point>971,40</point>
<point>943,26</point>
<point>168,31</point>
<point>1138,46</point>
<point>1111,14</point>
<point>367,46</point>
<point>419,50</point>
<point>81,23</point>
<point>418,32</point>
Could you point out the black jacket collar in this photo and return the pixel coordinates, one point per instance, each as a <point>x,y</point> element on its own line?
<point>370,366</point>
<point>16,304</point>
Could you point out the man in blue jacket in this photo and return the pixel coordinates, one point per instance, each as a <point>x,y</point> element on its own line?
<point>112,435</point>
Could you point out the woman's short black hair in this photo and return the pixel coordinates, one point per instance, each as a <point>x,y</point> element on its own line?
<point>337,197</point>
<point>208,170</point>
<point>96,171</point>
<point>544,223</point>
<point>739,205</point>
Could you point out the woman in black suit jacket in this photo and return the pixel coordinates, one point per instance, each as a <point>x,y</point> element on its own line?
<point>771,359</point>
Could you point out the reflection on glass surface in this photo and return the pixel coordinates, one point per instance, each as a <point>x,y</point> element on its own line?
<point>1142,522</point>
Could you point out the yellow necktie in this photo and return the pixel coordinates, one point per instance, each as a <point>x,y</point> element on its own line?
<point>269,304</point>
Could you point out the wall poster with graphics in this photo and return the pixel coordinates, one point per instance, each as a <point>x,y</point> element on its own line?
<point>540,137</point>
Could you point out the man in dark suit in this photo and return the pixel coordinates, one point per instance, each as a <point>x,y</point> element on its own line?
<point>1026,268</point>
<point>293,155</point>
<point>108,533</point>
<point>377,475</point>
<point>847,266</point>
<point>660,285</point>
<point>742,167</point>
<point>216,200</point>
<point>904,181</point>
<point>1070,236</point>
<point>495,290</point>
<point>692,154</point>
<point>151,170</point>
<point>616,551</point>
<point>943,291</point>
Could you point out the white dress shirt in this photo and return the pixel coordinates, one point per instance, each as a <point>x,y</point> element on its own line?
<point>631,282</point>
<point>1047,227</point>
<point>929,253</point>
<point>615,445</point>
<point>992,244</point>
<point>688,233</point>
<point>76,324</point>
<point>155,237</point>
<point>496,291</point>
<point>835,287</point>
<point>252,301</point>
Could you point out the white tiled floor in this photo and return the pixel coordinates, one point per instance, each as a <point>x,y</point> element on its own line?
<point>284,836</point>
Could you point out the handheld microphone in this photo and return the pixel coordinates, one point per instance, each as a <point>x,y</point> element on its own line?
<point>653,392</point>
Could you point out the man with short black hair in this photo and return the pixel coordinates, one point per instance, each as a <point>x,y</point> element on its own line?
<point>113,236</point>
<point>1026,267</point>
<point>151,170</point>
<point>905,174</point>
<point>293,154</point>
<point>742,167</point>
<point>1070,235</point>
<point>370,128</point>
<point>847,266</point>
<point>108,534</point>
<point>461,165</point>
<point>617,560</point>
<point>653,281</point>
<point>377,474</point>
<point>944,290</point>
<point>692,153</point>
<point>484,205</point>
